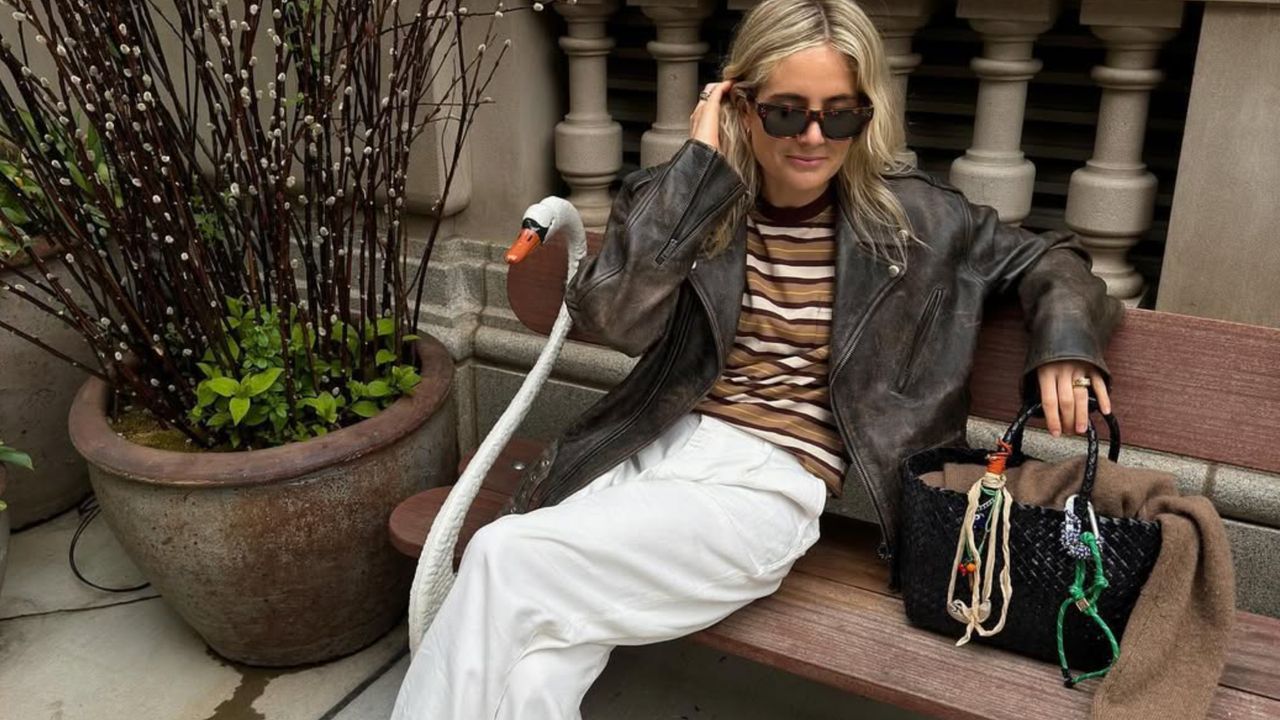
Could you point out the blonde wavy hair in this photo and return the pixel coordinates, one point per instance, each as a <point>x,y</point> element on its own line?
<point>768,33</point>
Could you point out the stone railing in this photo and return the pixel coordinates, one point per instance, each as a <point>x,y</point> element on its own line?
<point>1109,197</point>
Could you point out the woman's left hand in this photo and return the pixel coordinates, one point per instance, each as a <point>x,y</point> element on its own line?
<point>1065,405</point>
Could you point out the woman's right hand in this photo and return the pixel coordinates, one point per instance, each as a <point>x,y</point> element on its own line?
<point>704,123</point>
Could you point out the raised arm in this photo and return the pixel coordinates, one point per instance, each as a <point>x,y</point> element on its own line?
<point>625,294</point>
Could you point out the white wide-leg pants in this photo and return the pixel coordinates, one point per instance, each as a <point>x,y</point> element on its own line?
<point>692,527</point>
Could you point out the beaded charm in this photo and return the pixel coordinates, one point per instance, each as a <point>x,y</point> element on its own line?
<point>989,498</point>
<point>1071,528</point>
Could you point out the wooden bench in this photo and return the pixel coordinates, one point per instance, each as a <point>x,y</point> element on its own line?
<point>1184,385</point>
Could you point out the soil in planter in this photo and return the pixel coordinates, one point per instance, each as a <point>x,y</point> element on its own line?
<point>141,428</point>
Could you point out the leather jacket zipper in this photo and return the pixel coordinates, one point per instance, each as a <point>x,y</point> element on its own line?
<point>842,424</point>
<point>670,245</point>
<point>564,479</point>
<point>681,233</point>
<point>927,319</point>
<point>862,324</point>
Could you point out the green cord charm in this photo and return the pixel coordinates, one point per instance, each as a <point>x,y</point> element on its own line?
<point>1086,601</point>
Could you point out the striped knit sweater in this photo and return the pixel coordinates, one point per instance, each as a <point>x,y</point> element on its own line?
<point>774,384</point>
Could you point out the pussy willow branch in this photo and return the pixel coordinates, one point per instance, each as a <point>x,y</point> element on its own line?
<point>257,150</point>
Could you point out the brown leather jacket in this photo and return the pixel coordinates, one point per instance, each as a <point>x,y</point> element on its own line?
<point>902,339</point>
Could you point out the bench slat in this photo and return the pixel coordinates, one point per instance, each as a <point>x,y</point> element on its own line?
<point>860,642</point>
<point>412,518</point>
<point>535,287</point>
<point>845,554</point>
<point>1253,664</point>
<point>1191,386</point>
<point>504,476</point>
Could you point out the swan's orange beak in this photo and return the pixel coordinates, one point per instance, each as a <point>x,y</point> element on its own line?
<point>525,243</point>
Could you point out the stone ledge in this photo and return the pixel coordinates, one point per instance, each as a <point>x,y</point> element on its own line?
<point>557,405</point>
<point>1246,494</point>
<point>1254,549</point>
<point>580,362</point>
<point>854,503</point>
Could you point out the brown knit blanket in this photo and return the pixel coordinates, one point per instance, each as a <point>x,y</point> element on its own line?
<point>1174,646</point>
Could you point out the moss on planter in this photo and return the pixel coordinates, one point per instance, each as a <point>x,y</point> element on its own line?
<point>139,427</point>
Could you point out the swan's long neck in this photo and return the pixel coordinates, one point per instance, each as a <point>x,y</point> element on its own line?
<point>434,575</point>
<point>564,222</point>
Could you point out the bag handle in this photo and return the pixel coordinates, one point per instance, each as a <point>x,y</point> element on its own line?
<point>1013,439</point>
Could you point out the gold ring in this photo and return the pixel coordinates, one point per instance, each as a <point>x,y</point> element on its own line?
<point>1081,382</point>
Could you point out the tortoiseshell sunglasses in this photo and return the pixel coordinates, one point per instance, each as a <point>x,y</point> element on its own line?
<point>788,121</point>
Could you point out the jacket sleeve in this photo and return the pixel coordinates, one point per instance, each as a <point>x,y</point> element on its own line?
<point>1068,313</point>
<point>625,294</point>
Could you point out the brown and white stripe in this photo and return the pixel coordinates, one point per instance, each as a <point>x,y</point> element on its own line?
<point>774,384</point>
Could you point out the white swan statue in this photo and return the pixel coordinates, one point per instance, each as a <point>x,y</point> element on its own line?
<point>551,217</point>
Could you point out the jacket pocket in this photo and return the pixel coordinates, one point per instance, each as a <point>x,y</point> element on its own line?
<point>927,319</point>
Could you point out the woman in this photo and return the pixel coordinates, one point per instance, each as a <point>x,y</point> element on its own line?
<point>806,310</point>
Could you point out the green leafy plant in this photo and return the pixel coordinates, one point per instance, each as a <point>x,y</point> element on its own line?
<point>175,158</point>
<point>17,192</point>
<point>22,200</point>
<point>330,384</point>
<point>13,457</point>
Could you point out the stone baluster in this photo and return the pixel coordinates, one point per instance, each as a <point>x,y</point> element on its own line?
<point>677,50</point>
<point>1110,200</point>
<point>993,171</point>
<point>588,143</point>
<point>898,23</point>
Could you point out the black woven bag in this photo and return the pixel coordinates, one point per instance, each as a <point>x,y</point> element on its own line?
<point>1041,571</point>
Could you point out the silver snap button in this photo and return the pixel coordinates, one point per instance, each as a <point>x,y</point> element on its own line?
<point>894,270</point>
<point>518,465</point>
<point>694,266</point>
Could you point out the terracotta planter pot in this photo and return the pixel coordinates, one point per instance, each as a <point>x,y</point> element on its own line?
<point>280,556</point>
<point>36,391</point>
